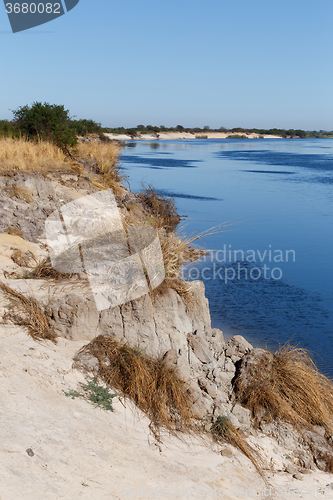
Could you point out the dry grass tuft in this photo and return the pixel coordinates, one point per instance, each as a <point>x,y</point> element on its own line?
<point>182,287</point>
<point>77,168</point>
<point>223,431</point>
<point>15,231</point>
<point>25,311</point>
<point>23,259</point>
<point>103,161</point>
<point>162,209</point>
<point>290,387</point>
<point>19,192</point>
<point>178,250</point>
<point>45,270</point>
<point>152,385</point>
<point>18,155</point>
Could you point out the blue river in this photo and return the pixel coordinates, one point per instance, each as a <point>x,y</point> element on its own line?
<point>268,273</point>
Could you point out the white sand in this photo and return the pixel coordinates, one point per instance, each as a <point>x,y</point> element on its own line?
<point>75,444</point>
<point>185,135</point>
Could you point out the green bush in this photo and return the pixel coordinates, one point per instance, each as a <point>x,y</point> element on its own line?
<point>132,132</point>
<point>46,121</point>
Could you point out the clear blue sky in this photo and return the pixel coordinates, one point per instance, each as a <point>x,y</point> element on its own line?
<point>250,63</point>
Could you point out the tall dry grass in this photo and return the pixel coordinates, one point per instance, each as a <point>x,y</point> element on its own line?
<point>178,250</point>
<point>20,192</point>
<point>26,311</point>
<point>23,259</point>
<point>103,160</point>
<point>100,160</point>
<point>21,155</point>
<point>44,270</point>
<point>223,431</point>
<point>152,385</point>
<point>288,386</point>
<point>162,209</point>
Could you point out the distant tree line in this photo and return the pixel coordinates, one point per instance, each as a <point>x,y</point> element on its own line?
<point>44,121</point>
<point>150,129</point>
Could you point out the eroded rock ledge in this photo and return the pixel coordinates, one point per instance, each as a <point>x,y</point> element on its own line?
<point>164,326</point>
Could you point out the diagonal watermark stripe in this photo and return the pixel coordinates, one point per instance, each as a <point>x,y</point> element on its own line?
<point>26,14</point>
<point>70,4</point>
<point>121,263</point>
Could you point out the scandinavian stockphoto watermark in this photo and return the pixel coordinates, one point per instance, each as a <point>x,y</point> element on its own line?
<point>229,265</point>
<point>122,263</point>
<point>26,14</point>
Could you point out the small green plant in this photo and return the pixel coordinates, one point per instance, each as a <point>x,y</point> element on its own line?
<point>94,393</point>
<point>221,427</point>
<point>72,394</point>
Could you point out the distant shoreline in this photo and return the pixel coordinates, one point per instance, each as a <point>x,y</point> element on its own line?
<point>187,135</point>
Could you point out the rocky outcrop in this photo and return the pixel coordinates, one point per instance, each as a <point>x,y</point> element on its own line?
<point>27,199</point>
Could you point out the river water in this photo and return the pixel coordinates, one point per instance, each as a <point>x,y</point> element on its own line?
<point>268,275</point>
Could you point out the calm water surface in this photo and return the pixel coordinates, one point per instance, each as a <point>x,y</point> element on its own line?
<point>277,196</point>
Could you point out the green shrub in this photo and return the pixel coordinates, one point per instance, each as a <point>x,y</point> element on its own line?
<point>48,122</point>
<point>99,396</point>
